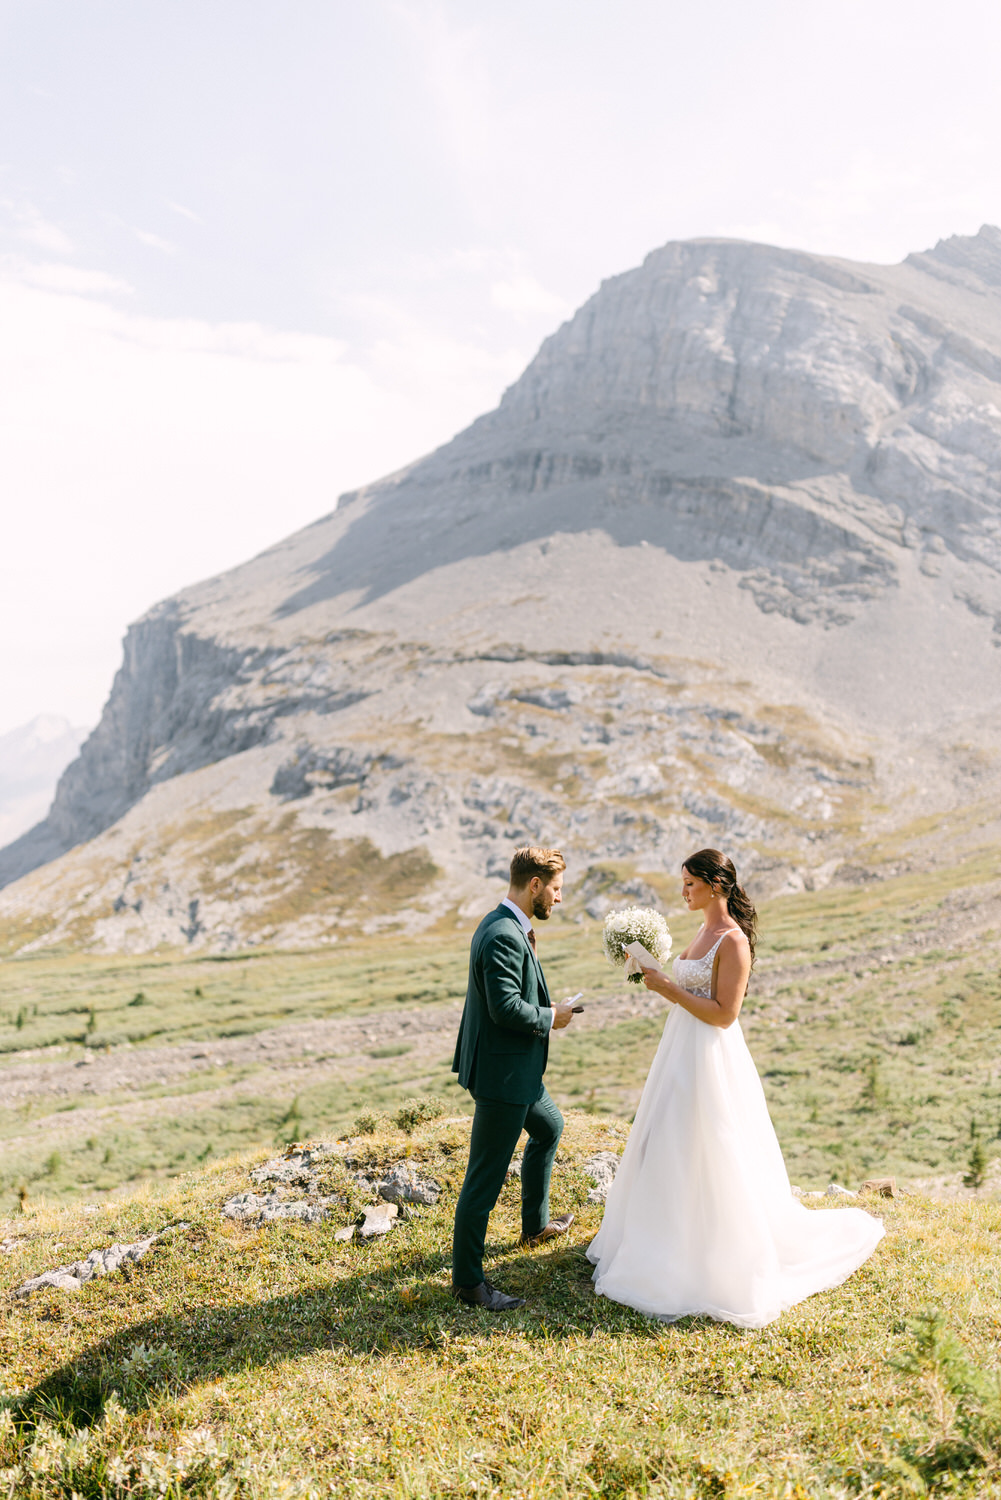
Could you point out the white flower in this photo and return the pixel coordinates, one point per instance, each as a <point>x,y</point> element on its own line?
<point>636,924</point>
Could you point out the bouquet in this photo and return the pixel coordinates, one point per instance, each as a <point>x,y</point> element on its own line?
<point>636,924</point>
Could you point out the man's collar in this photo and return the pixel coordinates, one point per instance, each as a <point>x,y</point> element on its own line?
<point>525,923</point>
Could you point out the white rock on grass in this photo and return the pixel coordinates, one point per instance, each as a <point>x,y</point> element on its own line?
<point>297,1168</point>
<point>602,1167</point>
<point>835,1190</point>
<point>402,1184</point>
<point>98,1263</point>
<point>293,1172</point>
<point>247,1206</point>
<point>378,1220</point>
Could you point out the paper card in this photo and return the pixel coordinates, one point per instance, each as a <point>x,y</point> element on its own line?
<point>642,955</point>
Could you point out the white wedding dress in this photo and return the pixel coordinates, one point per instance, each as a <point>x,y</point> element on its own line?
<point>700,1217</point>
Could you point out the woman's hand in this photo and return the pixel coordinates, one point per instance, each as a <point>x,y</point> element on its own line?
<point>656,980</point>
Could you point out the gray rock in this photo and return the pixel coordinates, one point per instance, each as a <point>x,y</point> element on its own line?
<point>296,1169</point>
<point>310,1211</point>
<point>298,1166</point>
<point>402,1184</point>
<point>98,1263</point>
<point>378,1220</point>
<point>835,1190</point>
<point>602,1167</point>
<point>253,1207</point>
<point>345,1234</point>
<point>243,1206</point>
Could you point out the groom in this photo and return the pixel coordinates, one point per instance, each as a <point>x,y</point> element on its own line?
<point>500,1057</point>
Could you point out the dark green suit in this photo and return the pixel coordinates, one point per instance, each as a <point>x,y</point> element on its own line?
<point>500,1057</point>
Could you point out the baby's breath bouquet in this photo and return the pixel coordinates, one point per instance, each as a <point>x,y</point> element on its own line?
<point>635,924</point>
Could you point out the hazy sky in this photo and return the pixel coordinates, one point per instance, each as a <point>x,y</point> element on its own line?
<point>255,252</point>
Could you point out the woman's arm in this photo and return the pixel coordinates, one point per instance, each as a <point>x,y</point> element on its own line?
<point>731,984</point>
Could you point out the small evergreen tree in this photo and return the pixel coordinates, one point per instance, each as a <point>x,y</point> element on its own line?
<point>976,1169</point>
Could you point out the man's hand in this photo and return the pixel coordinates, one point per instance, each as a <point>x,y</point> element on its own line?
<point>563,1013</point>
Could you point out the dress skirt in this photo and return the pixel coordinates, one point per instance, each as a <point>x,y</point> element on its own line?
<point>700,1218</point>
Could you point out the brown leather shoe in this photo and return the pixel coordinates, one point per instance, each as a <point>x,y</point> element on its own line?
<point>553,1229</point>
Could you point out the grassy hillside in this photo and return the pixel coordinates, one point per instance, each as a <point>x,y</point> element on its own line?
<point>276,1361</point>
<point>873,1015</point>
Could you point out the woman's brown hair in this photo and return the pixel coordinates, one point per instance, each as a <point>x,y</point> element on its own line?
<point>717,870</point>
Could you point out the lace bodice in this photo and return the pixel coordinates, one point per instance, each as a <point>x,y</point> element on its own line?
<point>696,974</point>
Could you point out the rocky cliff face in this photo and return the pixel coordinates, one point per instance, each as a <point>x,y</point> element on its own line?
<point>723,566</point>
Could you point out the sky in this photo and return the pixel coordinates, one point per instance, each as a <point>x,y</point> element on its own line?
<point>254,253</point>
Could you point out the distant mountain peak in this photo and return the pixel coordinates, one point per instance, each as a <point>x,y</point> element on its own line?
<point>724,566</point>
<point>977,255</point>
<point>32,758</point>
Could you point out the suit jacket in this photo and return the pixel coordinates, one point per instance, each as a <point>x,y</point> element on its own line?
<point>503,1042</point>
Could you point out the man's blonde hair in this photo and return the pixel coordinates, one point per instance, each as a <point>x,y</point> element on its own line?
<point>531,861</point>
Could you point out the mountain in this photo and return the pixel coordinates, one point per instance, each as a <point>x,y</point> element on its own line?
<point>32,758</point>
<point>724,566</point>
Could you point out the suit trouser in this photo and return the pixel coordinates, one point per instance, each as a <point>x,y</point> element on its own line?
<point>496,1128</point>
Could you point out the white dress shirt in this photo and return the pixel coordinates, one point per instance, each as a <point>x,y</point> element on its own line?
<point>526,928</point>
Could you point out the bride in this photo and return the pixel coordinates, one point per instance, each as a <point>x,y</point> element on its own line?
<point>701,1217</point>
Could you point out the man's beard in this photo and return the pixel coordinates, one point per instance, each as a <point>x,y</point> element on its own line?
<point>539,911</point>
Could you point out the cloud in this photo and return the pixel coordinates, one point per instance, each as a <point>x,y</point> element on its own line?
<point>521,294</point>
<point>63,278</point>
<point>31,226</point>
<point>186,213</point>
<point>140,454</point>
<point>155,241</point>
<point>453,63</point>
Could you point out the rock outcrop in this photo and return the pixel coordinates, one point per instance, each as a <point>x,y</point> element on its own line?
<point>723,566</point>
<point>101,1262</point>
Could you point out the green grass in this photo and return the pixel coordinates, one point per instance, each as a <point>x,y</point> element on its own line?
<point>197,998</point>
<point>870,1066</point>
<point>274,1362</point>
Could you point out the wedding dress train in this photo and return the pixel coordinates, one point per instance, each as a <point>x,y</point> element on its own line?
<point>700,1217</point>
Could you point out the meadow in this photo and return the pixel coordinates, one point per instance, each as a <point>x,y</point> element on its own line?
<point>277,1361</point>
<point>873,1016</point>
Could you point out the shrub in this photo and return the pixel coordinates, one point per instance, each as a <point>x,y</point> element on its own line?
<point>368,1124</point>
<point>417,1111</point>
